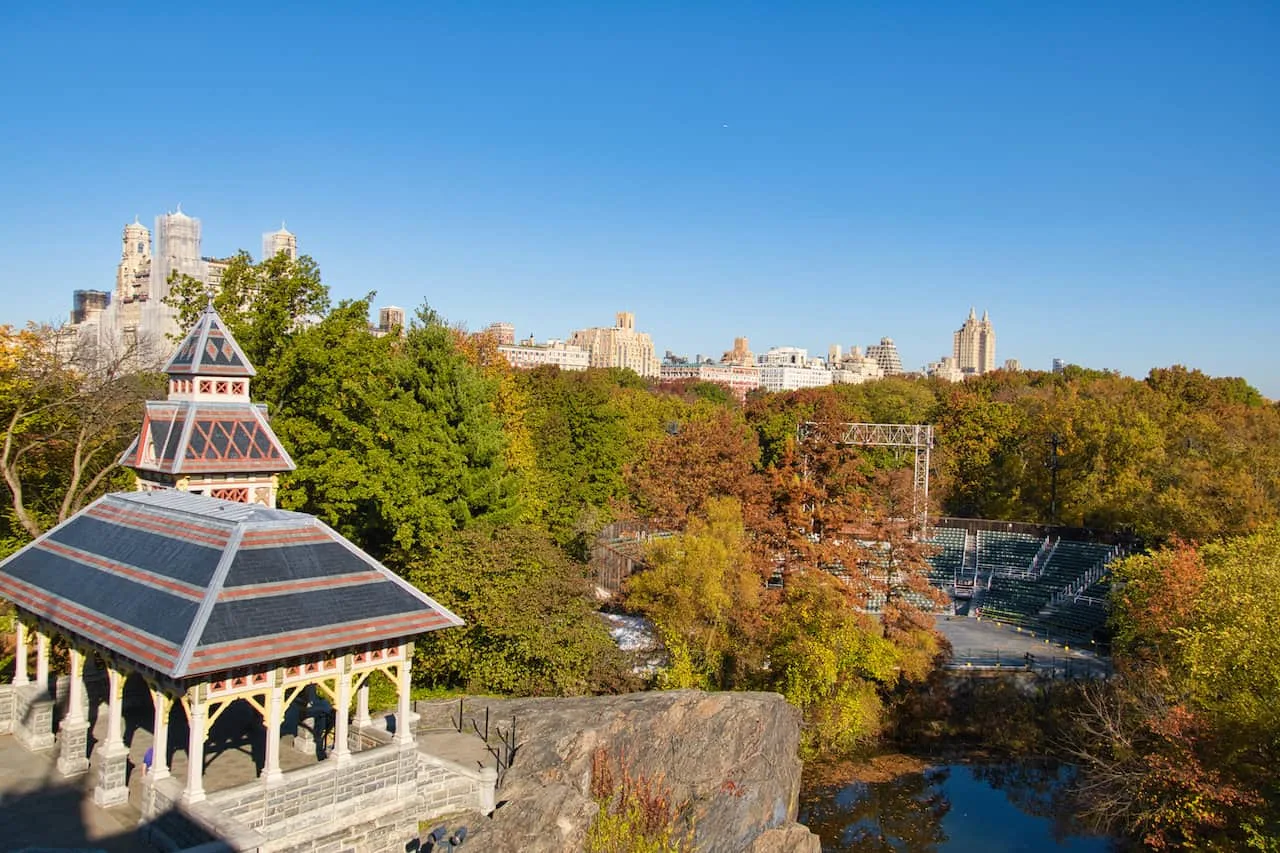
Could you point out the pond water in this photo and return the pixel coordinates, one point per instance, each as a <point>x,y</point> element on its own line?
<point>950,808</point>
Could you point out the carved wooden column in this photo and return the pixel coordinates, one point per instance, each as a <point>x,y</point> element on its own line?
<point>404,684</point>
<point>20,665</point>
<point>162,702</point>
<point>341,711</point>
<point>42,658</point>
<point>273,721</point>
<point>197,716</point>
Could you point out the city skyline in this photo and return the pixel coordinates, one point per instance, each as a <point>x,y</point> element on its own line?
<point>1101,180</point>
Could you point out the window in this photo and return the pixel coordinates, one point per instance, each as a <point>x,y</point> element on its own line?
<point>139,248</point>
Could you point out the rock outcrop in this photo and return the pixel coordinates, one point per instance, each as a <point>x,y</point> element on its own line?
<point>729,758</point>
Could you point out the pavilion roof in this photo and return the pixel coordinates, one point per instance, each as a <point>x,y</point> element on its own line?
<point>187,585</point>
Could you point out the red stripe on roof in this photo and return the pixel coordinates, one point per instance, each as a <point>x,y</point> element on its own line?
<point>284,537</point>
<point>303,585</point>
<point>92,625</point>
<point>160,524</point>
<point>186,590</point>
<point>217,657</point>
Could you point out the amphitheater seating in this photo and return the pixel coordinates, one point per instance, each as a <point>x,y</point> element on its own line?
<point>946,563</point>
<point>1007,552</point>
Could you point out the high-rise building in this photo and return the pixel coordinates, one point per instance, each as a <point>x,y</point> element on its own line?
<point>620,346</point>
<point>504,334</point>
<point>886,355</point>
<point>739,355</point>
<point>1059,365</point>
<point>974,345</point>
<point>527,355</point>
<point>137,321</point>
<point>177,251</point>
<point>945,368</point>
<point>133,275</point>
<point>88,304</point>
<point>789,368</point>
<point>853,367</point>
<point>391,319</point>
<point>275,242</point>
<point>1012,365</point>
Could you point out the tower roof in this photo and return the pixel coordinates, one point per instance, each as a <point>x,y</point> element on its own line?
<point>186,585</point>
<point>181,437</point>
<point>209,350</point>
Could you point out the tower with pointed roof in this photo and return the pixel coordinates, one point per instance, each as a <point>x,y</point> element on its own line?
<point>208,437</point>
<point>974,345</point>
<point>275,242</point>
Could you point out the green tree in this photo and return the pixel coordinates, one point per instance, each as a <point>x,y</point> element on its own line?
<point>396,440</point>
<point>263,304</point>
<point>531,627</point>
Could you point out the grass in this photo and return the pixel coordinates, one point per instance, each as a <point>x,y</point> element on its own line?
<point>637,812</point>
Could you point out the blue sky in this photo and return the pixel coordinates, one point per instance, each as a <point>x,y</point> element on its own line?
<point>1104,178</point>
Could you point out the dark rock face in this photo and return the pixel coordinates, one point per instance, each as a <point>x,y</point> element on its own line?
<point>731,757</point>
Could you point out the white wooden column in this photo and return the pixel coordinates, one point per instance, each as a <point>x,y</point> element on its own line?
<point>115,708</point>
<point>404,683</point>
<point>163,704</point>
<point>275,717</point>
<point>42,658</point>
<point>362,705</point>
<point>20,677</point>
<point>341,711</point>
<point>75,688</point>
<point>197,714</point>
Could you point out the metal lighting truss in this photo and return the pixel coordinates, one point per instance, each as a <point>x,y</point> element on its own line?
<point>918,437</point>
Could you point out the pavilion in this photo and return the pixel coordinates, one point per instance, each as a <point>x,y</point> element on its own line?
<point>200,586</point>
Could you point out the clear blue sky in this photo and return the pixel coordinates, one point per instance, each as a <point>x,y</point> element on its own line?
<point>1104,178</point>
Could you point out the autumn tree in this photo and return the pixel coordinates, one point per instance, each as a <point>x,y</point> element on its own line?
<point>1180,750</point>
<point>704,591</point>
<point>711,455</point>
<point>69,409</point>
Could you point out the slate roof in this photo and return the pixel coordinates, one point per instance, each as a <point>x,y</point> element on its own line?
<point>187,585</point>
<point>183,437</point>
<point>209,350</point>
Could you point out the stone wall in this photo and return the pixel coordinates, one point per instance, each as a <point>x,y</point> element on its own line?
<point>370,803</point>
<point>6,708</point>
<point>33,717</point>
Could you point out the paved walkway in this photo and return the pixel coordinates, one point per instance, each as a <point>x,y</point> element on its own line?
<point>41,808</point>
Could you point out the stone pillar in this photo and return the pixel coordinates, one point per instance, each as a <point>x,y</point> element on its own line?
<point>488,790</point>
<point>111,754</point>
<point>73,735</point>
<point>42,658</point>
<point>362,705</point>
<point>341,712</point>
<point>197,714</point>
<point>163,704</point>
<point>275,717</point>
<point>20,677</point>
<point>404,683</point>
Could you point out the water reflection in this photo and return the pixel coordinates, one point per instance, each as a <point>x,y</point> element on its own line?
<point>992,808</point>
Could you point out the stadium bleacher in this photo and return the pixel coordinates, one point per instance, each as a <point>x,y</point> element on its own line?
<point>1026,573</point>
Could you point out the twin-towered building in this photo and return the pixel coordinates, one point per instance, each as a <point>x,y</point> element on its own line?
<point>135,317</point>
